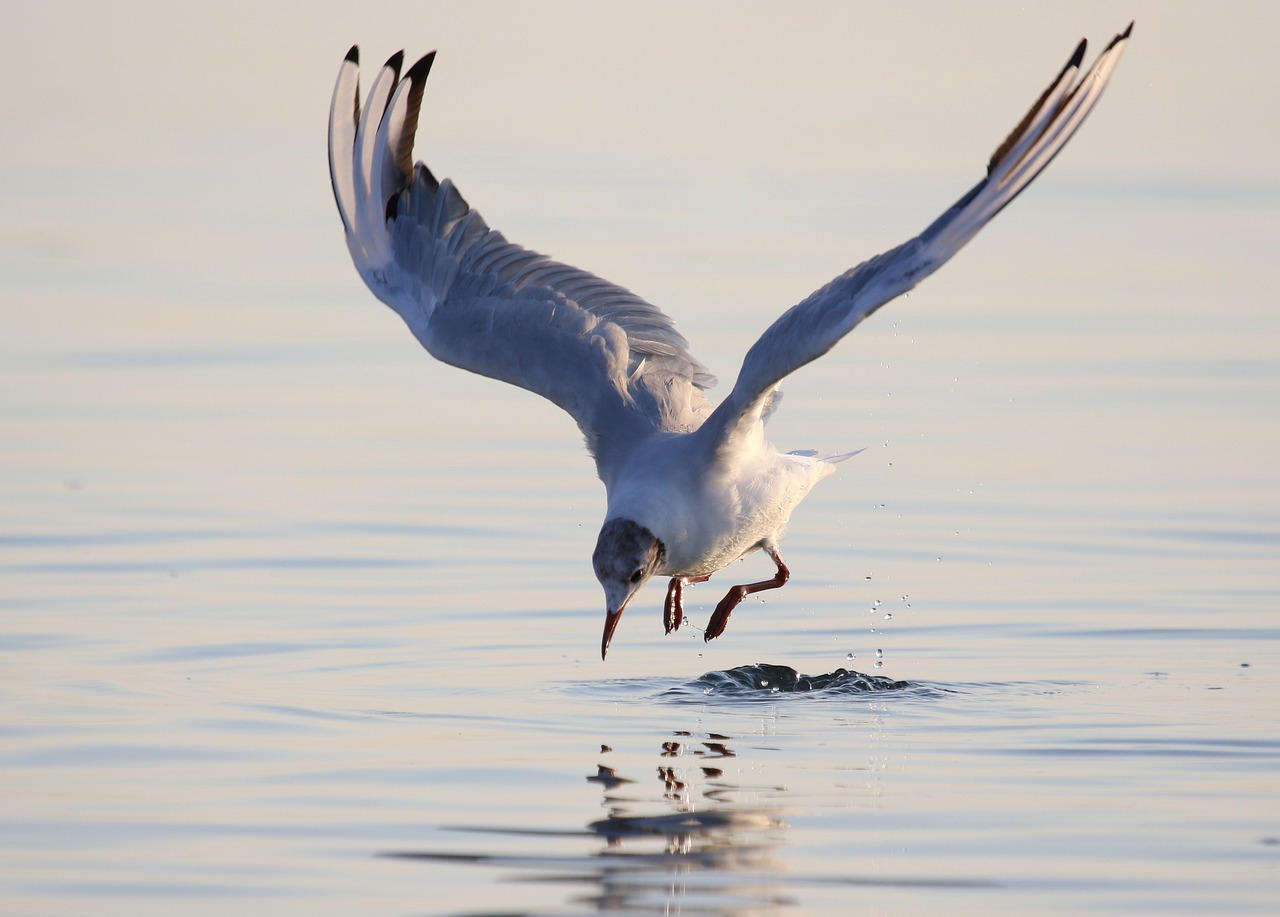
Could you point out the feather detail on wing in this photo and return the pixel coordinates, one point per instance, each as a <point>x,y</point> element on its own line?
<point>811,328</point>
<point>610,359</point>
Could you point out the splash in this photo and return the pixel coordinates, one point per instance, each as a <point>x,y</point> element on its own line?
<point>764,679</point>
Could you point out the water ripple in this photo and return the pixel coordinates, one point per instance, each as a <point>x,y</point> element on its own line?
<point>763,680</point>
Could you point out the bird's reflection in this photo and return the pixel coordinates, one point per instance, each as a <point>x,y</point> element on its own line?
<point>692,843</point>
<point>702,827</point>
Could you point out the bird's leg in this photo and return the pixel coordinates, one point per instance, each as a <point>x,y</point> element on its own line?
<point>673,607</point>
<point>720,617</point>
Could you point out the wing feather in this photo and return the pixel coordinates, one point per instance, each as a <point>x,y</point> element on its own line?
<point>367,213</point>
<point>344,119</point>
<point>811,328</point>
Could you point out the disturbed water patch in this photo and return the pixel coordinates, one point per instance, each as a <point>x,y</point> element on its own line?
<point>766,680</point>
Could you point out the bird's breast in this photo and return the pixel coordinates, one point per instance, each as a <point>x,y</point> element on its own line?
<point>706,520</point>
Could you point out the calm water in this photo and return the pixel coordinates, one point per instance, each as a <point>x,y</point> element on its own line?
<point>295,620</point>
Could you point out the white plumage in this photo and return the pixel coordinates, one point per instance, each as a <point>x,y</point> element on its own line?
<point>690,489</point>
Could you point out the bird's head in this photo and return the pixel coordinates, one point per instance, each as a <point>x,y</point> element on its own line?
<point>626,555</point>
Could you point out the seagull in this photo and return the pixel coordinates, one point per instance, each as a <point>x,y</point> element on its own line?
<point>690,488</point>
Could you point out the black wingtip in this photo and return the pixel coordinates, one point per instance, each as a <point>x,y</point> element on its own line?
<point>395,61</point>
<point>417,80</point>
<point>421,68</point>
<point>354,54</point>
<point>1011,141</point>
<point>1123,36</point>
<point>1078,58</point>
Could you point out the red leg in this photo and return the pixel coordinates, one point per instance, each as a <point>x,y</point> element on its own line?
<point>720,617</point>
<point>673,607</point>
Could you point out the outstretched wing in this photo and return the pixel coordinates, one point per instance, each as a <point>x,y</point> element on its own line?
<point>811,328</point>
<point>610,359</point>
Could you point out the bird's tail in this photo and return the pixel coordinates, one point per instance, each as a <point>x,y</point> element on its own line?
<point>828,459</point>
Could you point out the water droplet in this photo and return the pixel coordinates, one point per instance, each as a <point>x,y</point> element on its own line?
<point>888,615</point>
<point>867,578</point>
<point>879,664</point>
<point>879,654</point>
<point>852,657</point>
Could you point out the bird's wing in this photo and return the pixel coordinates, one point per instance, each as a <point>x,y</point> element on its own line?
<point>809,329</point>
<point>610,359</point>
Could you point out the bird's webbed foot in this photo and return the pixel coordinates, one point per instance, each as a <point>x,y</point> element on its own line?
<point>720,617</point>
<point>673,607</point>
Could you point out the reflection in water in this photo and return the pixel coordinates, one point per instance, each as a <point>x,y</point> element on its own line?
<point>702,850</point>
<point>697,843</point>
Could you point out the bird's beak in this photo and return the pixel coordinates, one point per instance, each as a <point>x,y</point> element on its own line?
<point>611,619</point>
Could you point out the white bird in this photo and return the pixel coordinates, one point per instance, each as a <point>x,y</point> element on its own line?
<point>690,489</point>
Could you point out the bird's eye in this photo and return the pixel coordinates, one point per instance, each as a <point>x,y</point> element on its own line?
<point>637,576</point>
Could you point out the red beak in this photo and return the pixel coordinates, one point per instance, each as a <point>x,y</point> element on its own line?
<point>611,619</point>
